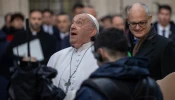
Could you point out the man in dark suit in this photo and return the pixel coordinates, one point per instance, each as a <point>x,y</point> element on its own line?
<point>164,26</point>
<point>6,27</point>
<point>47,42</point>
<point>48,26</point>
<point>160,50</point>
<point>63,23</point>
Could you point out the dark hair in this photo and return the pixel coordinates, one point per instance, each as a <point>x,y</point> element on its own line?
<point>17,15</point>
<point>89,6</point>
<point>63,13</point>
<point>112,39</point>
<point>118,15</point>
<point>35,10</point>
<point>48,10</point>
<point>106,17</point>
<point>167,7</point>
<point>8,14</point>
<point>77,5</point>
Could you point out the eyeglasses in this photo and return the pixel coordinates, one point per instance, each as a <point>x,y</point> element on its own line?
<point>141,24</point>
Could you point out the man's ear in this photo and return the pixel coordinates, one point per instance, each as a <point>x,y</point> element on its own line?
<point>127,19</point>
<point>94,32</point>
<point>150,17</point>
<point>103,54</point>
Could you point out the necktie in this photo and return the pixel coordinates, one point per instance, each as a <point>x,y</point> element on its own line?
<point>163,33</point>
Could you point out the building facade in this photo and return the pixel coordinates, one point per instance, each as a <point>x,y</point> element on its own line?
<point>102,7</point>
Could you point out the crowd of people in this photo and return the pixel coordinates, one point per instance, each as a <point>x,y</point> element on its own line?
<point>93,61</point>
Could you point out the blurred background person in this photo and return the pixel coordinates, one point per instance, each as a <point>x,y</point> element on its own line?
<point>6,27</point>
<point>118,22</point>
<point>63,23</point>
<point>106,21</point>
<point>16,25</point>
<point>164,26</point>
<point>91,10</point>
<point>78,8</point>
<point>3,43</point>
<point>48,24</point>
<point>3,75</point>
<point>46,42</point>
<point>54,20</point>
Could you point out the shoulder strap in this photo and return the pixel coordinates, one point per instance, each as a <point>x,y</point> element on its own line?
<point>107,88</point>
<point>146,89</point>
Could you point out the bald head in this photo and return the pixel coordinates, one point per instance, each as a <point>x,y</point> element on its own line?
<point>139,20</point>
<point>138,7</point>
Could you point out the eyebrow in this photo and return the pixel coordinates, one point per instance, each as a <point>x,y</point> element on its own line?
<point>81,19</point>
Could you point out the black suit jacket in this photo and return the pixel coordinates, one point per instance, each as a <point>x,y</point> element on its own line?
<point>161,52</point>
<point>65,42</point>
<point>172,30</point>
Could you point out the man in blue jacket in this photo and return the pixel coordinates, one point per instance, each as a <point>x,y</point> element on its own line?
<point>128,74</point>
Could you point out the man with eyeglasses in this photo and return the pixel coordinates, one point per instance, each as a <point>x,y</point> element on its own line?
<point>160,50</point>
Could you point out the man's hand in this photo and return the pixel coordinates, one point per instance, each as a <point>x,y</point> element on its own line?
<point>32,59</point>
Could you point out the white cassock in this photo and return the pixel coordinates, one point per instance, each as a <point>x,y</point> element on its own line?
<point>83,64</point>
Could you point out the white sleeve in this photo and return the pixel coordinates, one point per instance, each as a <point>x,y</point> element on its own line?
<point>51,61</point>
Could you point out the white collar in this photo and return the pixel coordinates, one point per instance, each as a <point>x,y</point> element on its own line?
<point>47,25</point>
<point>65,34</point>
<point>34,33</point>
<point>164,28</point>
<point>83,47</point>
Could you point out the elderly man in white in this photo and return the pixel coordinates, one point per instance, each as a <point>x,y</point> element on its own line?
<point>76,63</point>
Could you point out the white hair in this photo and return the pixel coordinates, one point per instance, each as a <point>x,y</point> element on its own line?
<point>141,4</point>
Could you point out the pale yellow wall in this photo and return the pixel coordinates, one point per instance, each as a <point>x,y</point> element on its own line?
<point>7,6</point>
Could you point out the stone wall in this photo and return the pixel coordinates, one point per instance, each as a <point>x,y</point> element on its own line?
<point>9,6</point>
<point>103,7</point>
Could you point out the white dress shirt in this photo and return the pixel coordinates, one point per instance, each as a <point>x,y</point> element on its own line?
<point>61,61</point>
<point>167,30</point>
<point>48,29</point>
<point>34,33</point>
<point>63,35</point>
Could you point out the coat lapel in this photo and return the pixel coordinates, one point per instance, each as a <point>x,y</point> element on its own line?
<point>146,47</point>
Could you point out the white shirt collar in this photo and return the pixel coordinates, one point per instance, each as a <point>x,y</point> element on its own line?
<point>84,46</point>
<point>167,28</point>
<point>48,29</point>
<point>34,33</point>
<point>63,35</point>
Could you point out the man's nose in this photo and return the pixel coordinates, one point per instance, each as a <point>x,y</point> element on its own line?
<point>73,26</point>
<point>137,27</point>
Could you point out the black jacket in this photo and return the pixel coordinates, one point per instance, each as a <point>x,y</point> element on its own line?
<point>48,42</point>
<point>33,82</point>
<point>128,70</point>
<point>160,51</point>
<point>3,43</point>
<point>48,45</point>
<point>65,42</point>
<point>6,30</point>
<point>172,30</point>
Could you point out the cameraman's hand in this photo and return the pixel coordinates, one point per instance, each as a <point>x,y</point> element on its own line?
<point>32,59</point>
